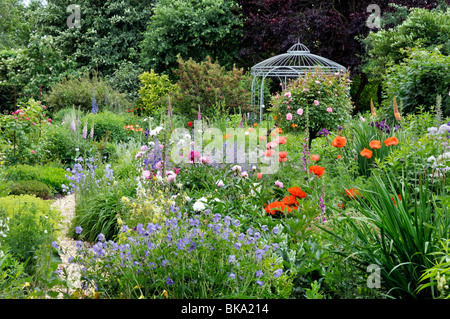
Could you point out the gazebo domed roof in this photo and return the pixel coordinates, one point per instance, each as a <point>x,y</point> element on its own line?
<point>296,62</point>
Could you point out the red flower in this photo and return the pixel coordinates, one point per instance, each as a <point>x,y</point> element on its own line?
<point>352,192</point>
<point>339,142</point>
<point>297,192</point>
<point>391,141</point>
<point>366,153</point>
<point>290,200</point>
<point>277,206</point>
<point>190,124</point>
<point>317,170</point>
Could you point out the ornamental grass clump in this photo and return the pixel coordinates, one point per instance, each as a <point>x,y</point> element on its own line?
<point>186,256</point>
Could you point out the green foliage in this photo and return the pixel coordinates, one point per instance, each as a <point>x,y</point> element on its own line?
<point>30,187</point>
<point>154,88</point>
<point>25,133</point>
<point>423,28</point>
<point>40,63</point>
<point>303,94</point>
<point>437,275</point>
<point>126,79</point>
<point>418,80</point>
<point>194,29</point>
<point>31,221</point>
<point>397,235</point>
<point>51,176</point>
<point>110,31</point>
<point>79,92</point>
<point>209,86</point>
<point>11,276</point>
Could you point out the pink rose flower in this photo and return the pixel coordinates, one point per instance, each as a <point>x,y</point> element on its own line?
<point>316,102</point>
<point>329,110</point>
<point>300,112</point>
<point>289,116</point>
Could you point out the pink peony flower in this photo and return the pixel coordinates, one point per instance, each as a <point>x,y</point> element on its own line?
<point>279,184</point>
<point>329,110</point>
<point>289,116</point>
<point>300,112</point>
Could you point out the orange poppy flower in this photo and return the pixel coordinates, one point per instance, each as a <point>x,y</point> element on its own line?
<point>317,170</point>
<point>255,124</point>
<point>375,144</point>
<point>315,157</point>
<point>277,206</point>
<point>339,142</point>
<point>283,154</point>
<point>366,153</point>
<point>281,140</point>
<point>282,159</point>
<point>227,136</point>
<point>251,129</point>
<point>271,145</point>
<point>297,192</point>
<point>269,153</point>
<point>339,156</point>
<point>262,138</point>
<point>275,117</point>
<point>352,192</point>
<point>290,200</point>
<point>259,175</point>
<point>391,141</point>
<point>277,130</point>
<point>294,125</point>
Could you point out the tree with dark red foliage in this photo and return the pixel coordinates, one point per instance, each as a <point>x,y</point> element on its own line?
<point>331,29</point>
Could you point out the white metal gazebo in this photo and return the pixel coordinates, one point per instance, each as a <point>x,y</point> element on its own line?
<point>295,63</point>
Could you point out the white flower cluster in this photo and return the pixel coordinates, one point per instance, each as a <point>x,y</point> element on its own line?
<point>156,131</point>
<point>443,129</point>
<point>4,228</point>
<point>439,164</point>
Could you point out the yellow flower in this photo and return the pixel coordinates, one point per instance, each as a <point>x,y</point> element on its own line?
<point>165,294</point>
<point>27,284</point>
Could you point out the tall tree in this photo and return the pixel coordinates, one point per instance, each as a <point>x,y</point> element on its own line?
<point>110,31</point>
<point>192,29</point>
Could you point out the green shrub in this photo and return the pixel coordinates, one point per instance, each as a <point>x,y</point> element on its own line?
<point>207,84</point>
<point>51,176</point>
<point>25,131</point>
<point>31,221</point>
<point>80,91</point>
<point>125,79</point>
<point>316,101</point>
<point>11,276</point>
<point>154,88</point>
<point>109,126</point>
<point>418,80</point>
<point>30,187</point>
